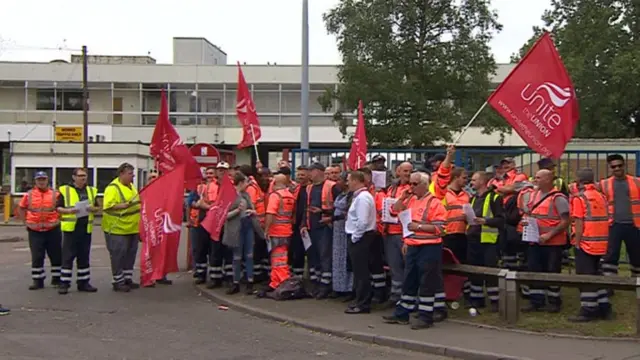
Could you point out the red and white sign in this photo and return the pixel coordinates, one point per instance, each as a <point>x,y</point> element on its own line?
<point>205,154</point>
<point>538,100</point>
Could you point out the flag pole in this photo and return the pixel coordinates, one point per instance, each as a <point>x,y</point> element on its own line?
<point>304,86</point>
<point>473,118</point>
<point>255,144</point>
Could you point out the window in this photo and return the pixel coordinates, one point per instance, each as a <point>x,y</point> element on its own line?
<point>45,100</point>
<point>72,100</point>
<point>24,177</point>
<point>105,177</point>
<point>63,176</point>
<point>142,178</point>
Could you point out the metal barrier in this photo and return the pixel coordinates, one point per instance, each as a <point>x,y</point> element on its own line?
<point>474,159</point>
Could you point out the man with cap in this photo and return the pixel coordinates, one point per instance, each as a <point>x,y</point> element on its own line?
<point>558,182</point>
<point>38,210</point>
<point>318,216</point>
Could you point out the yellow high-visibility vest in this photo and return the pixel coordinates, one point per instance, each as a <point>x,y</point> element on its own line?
<point>71,197</point>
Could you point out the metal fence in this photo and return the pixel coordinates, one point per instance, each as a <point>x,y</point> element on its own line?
<point>475,159</point>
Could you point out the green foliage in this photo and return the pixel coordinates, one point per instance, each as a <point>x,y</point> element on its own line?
<point>599,43</point>
<point>421,67</point>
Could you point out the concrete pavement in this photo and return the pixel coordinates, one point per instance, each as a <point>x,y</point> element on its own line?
<point>169,322</point>
<point>448,338</point>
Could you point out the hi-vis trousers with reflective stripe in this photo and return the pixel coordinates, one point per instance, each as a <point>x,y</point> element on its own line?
<point>279,262</point>
<point>76,246</point>
<point>45,243</point>
<point>122,251</point>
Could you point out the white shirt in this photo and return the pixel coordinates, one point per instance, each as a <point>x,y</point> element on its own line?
<point>361,216</point>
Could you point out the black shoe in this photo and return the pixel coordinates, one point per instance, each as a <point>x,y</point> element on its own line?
<point>440,315</point>
<point>530,308</point>
<point>63,289</point>
<point>121,287</point>
<point>581,318</point>
<point>87,288</point>
<point>249,290</point>
<point>322,294</point>
<point>553,309</point>
<point>200,281</point>
<point>419,324</point>
<point>235,288</point>
<point>357,310</point>
<point>55,281</point>
<point>607,315</point>
<point>392,319</point>
<point>131,284</point>
<point>37,285</point>
<point>164,281</point>
<point>214,284</point>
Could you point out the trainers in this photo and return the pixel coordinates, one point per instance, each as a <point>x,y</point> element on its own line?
<point>4,311</point>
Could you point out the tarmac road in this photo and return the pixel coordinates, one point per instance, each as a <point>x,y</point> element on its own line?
<point>171,322</point>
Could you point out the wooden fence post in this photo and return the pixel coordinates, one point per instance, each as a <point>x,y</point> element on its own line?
<point>502,285</point>
<point>513,297</point>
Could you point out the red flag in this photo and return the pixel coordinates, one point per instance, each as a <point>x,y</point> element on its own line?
<point>538,100</point>
<point>246,112</point>
<point>161,207</point>
<point>358,153</point>
<point>168,150</point>
<point>217,214</point>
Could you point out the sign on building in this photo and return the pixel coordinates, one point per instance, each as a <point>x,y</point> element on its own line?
<point>69,134</point>
<point>205,154</point>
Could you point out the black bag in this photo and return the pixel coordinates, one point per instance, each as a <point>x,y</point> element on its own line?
<point>512,213</point>
<point>290,289</point>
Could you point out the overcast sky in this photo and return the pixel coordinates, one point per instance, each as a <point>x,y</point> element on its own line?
<point>251,31</point>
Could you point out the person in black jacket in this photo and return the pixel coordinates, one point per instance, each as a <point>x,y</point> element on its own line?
<point>482,239</point>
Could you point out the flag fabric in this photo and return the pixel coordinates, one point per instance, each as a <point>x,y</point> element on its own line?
<point>358,152</point>
<point>246,113</point>
<point>168,150</point>
<point>217,214</point>
<point>538,100</point>
<point>161,211</point>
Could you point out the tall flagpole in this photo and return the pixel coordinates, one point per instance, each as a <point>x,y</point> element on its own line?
<point>304,93</point>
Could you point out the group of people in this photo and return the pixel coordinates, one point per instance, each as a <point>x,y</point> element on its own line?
<point>343,232</point>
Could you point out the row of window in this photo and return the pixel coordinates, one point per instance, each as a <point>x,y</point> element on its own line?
<point>98,177</point>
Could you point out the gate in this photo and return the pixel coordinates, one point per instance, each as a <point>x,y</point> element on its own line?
<point>476,159</point>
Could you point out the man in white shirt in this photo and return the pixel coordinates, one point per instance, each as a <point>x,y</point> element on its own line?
<point>360,227</point>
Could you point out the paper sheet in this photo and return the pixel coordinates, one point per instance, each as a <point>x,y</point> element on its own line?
<point>405,220</point>
<point>379,179</point>
<point>387,205</point>
<point>306,240</point>
<point>530,232</point>
<point>82,209</point>
<point>469,214</point>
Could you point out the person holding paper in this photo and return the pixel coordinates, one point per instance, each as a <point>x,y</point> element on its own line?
<point>549,208</point>
<point>591,233</point>
<point>360,227</point>
<point>77,205</point>
<point>456,227</point>
<point>423,286</point>
<point>392,233</point>
<point>482,235</point>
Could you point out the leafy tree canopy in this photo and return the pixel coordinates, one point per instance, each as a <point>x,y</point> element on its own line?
<point>599,43</point>
<point>421,67</point>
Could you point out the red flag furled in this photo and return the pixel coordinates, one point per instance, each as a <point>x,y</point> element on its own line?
<point>217,214</point>
<point>358,153</point>
<point>168,150</point>
<point>161,207</point>
<point>247,115</point>
<point>538,100</point>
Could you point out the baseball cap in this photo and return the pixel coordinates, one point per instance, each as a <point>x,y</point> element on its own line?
<point>222,165</point>
<point>40,175</point>
<point>508,159</point>
<point>317,166</point>
<point>437,157</point>
<point>545,163</point>
<point>378,158</point>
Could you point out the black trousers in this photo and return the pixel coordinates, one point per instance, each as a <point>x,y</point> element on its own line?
<point>480,254</point>
<point>545,259</point>
<point>630,235</point>
<point>261,259</point>
<point>220,261</point>
<point>594,300</point>
<point>376,267</point>
<point>76,246</point>
<point>45,243</point>
<point>201,249</point>
<point>359,253</point>
<point>297,253</point>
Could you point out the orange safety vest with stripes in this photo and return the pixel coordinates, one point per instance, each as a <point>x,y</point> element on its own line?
<point>257,198</point>
<point>547,217</point>
<point>281,206</point>
<point>327,199</point>
<point>595,215</point>
<point>209,193</point>
<point>41,209</point>
<point>395,192</point>
<point>456,221</point>
<point>379,201</point>
<point>427,210</point>
<point>606,186</point>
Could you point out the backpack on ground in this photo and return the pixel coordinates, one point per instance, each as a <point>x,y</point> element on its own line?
<point>290,289</point>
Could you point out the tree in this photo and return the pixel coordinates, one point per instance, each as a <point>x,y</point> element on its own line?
<point>421,67</point>
<point>599,43</point>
